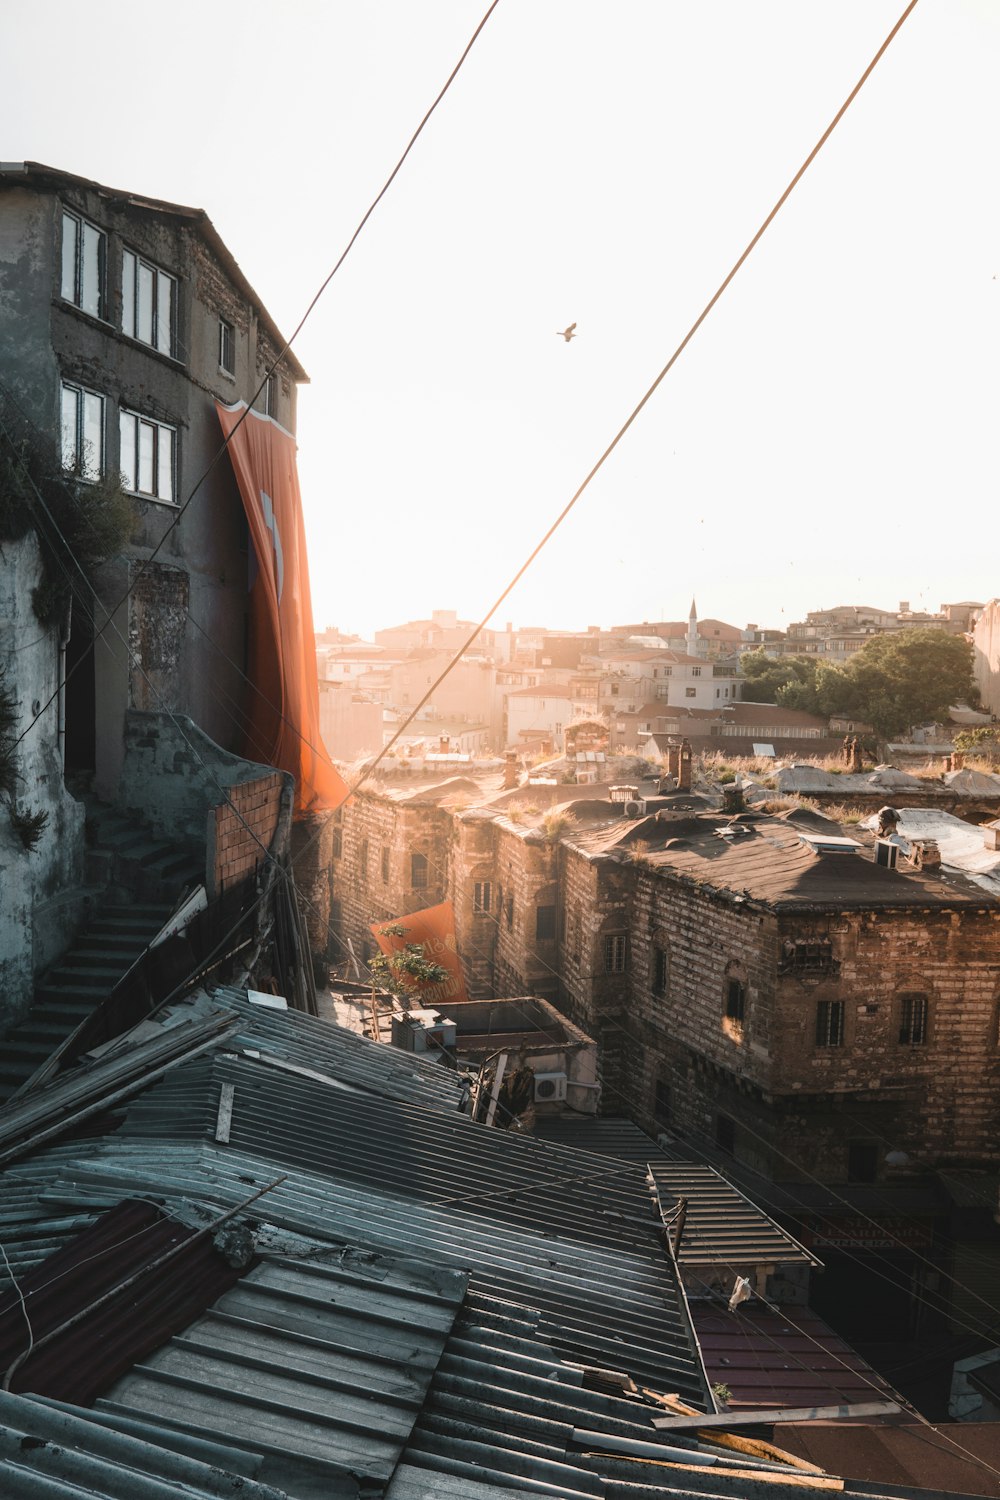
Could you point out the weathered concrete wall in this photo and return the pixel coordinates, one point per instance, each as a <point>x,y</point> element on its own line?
<point>41,895</point>
<point>986,656</point>
<point>173,775</point>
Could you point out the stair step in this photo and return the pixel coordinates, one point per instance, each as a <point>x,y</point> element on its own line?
<point>90,958</point>
<point>70,973</point>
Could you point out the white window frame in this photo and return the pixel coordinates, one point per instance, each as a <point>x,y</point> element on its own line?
<point>267,395</point>
<point>135,429</point>
<point>84,259</point>
<point>162,289</point>
<point>75,442</point>
<point>482,893</point>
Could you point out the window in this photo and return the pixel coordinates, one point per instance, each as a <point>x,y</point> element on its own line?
<point>862,1161</point>
<point>418,871</point>
<point>661,1102</point>
<point>385,865</point>
<point>267,397</point>
<point>736,999</point>
<point>337,848</point>
<point>912,1020</point>
<point>84,265</point>
<point>149,303</point>
<point>725,1134</point>
<point>660,971</point>
<point>508,909</point>
<point>482,893</point>
<point>830,1023</point>
<point>363,856</point>
<point>695,671</point>
<point>545,923</point>
<point>82,431</point>
<point>227,347</point>
<point>148,457</point>
<point>690,692</point>
<point>616,953</point>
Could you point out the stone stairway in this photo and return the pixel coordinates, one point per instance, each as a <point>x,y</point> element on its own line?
<point>143,878</point>
<point>103,952</point>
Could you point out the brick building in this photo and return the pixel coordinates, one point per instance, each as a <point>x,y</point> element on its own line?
<point>823,1025</point>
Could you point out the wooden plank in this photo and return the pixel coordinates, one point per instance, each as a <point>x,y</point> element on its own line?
<point>501,1068</point>
<point>224,1119</point>
<point>728,1419</point>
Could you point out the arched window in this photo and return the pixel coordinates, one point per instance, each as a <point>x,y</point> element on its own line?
<point>418,871</point>
<point>913,1014</point>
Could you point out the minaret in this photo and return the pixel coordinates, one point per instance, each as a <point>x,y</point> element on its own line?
<point>692,631</point>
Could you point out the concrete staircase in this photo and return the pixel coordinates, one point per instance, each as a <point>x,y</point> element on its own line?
<point>143,878</point>
<point>103,952</point>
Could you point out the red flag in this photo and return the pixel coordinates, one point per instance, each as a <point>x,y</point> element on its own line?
<point>284,711</point>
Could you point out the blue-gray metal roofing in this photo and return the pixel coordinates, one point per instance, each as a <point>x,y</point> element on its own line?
<point>533,1224</point>
<point>51,1452</point>
<point>549,1226</point>
<point>722,1225</point>
<point>320,1366</point>
<point>310,1042</point>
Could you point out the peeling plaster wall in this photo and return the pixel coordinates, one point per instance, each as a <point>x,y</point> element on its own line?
<point>41,896</point>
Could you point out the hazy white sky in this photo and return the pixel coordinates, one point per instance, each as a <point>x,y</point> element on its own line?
<point>830,435</point>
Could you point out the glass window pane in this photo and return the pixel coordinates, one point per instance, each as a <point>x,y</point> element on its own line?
<point>90,279</point>
<point>70,398</point>
<point>165,464</point>
<point>126,428</point>
<point>146,447</point>
<point>128,294</point>
<point>93,435</point>
<point>144,304</point>
<point>69,241</point>
<point>164,313</point>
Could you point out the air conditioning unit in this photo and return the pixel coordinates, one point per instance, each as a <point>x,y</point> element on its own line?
<point>635,807</point>
<point>886,853</point>
<point>550,1088</point>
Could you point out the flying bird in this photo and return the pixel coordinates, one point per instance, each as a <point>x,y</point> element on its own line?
<point>567,333</point>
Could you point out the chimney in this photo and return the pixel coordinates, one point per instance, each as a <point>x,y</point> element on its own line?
<point>957,760</point>
<point>925,854</point>
<point>732,798</point>
<point>991,835</point>
<point>510,771</point>
<point>904,606</point>
<point>684,766</point>
<point>444,743</point>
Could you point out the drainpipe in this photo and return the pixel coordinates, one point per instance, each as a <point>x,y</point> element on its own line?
<point>64,635</point>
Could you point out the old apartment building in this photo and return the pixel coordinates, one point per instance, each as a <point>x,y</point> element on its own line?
<point>124,323</point>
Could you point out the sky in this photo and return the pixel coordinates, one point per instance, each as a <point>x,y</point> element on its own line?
<point>828,437</point>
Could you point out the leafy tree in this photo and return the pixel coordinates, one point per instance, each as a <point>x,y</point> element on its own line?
<point>788,680</point>
<point>899,679</point>
<point>895,680</point>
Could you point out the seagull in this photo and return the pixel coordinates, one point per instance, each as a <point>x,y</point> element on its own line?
<point>567,333</point>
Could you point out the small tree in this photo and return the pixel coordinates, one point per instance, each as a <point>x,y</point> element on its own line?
<point>408,970</point>
<point>982,741</point>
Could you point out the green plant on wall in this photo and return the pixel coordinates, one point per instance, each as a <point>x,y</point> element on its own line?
<point>29,826</point>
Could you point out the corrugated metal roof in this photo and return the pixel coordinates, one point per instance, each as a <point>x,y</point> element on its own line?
<point>310,1042</point>
<point>546,1223</point>
<point>57,1453</point>
<point>770,1360</point>
<point>320,1366</point>
<point>110,1295</point>
<point>722,1226</point>
<point>557,1248</point>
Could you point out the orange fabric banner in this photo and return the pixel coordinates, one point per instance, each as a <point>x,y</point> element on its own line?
<point>284,710</point>
<point>435,928</point>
